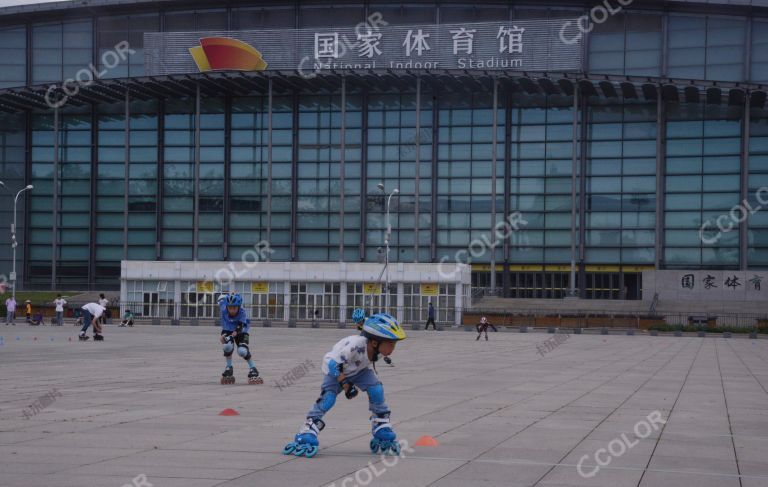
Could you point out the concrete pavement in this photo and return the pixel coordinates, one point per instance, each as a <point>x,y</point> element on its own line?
<point>142,408</point>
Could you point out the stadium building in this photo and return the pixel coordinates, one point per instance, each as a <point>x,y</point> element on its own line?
<point>608,148</point>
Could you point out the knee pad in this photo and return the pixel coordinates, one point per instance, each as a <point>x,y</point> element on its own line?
<point>326,401</point>
<point>228,349</point>
<point>243,351</point>
<point>376,394</point>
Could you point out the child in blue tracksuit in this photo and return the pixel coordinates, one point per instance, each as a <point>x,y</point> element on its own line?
<point>347,367</point>
<point>234,333</point>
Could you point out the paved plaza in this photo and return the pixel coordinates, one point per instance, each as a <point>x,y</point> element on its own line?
<point>142,408</point>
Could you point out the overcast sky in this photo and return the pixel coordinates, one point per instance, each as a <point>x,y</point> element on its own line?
<point>11,3</point>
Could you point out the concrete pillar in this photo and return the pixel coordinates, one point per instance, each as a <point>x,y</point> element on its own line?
<point>342,302</point>
<point>177,299</point>
<point>287,300</point>
<point>459,303</point>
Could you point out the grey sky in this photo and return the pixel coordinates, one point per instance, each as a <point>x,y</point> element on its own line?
<point>12,3</point>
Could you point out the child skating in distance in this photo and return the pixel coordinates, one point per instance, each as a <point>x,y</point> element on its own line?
<point>234,334</point>
<point>348,367</point>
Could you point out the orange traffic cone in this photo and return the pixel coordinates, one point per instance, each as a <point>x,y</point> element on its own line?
<point>427,441</point>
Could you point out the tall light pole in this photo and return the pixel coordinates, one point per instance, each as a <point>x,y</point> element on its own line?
<point>387,235</point>
<point>14,244</point>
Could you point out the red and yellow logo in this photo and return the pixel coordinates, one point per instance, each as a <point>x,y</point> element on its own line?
<point>217,53</point>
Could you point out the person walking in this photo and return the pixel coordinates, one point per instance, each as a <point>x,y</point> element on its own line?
<point>59,302</point>
<point>28,310</point>
<point>10,313</point>
<point>430,317</point>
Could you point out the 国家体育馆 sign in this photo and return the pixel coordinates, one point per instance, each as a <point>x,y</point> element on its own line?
<point>524,45</point>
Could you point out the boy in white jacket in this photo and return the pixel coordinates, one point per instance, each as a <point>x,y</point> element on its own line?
<point>347,367</point>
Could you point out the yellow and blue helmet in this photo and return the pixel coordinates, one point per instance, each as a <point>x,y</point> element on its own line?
<point>383,326</point>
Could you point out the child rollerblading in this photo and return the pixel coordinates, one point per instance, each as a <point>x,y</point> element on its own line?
<point>347,367</point>
<point>482,327</point>
<point>234,334</point>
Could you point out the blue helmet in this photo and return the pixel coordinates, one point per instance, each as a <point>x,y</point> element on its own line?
<point>234,300</point>
<point>358,315</point>
<point>383,326</point>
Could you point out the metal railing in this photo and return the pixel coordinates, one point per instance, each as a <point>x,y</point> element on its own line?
<point>209,314</point>
<point>627,318</point>
<point>296,312</point>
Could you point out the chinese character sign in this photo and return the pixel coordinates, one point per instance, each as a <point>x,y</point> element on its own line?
<point>707,285</point>
<point>529,44</point>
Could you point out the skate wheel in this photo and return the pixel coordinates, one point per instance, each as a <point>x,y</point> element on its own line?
<point>300,449</point>
<point>311,451</point>
<point>395,447</point>
<point>375,445</point>
<point>289,448</point>
<point>257,380</point>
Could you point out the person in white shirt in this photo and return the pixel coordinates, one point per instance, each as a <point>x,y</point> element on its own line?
<point>91,314</point>
<point>347,367</point>
<point>59,302</point>
<point>104,302</point>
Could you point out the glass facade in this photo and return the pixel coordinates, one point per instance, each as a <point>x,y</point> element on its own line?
<point>391,160</point>
<point>702,183</point>
<point>631,42</point>
<point>209,178</point>
<point>13,52</point>
<point>464,173</point>
<point>757,198</point>
<point>12,164</point>
<point>110,192</point>
<point>115,31</point>
<point>620,184</point>
<point>627,44</point>
<point>60,50</point>
<point>541,150</point>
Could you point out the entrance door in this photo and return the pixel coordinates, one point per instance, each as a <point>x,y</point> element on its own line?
<point>151,305</point>
<point>632,284</point>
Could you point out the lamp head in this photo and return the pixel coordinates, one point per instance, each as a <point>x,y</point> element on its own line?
<point>380,186</point>
<point>29,187</point>
<point>395,191</point>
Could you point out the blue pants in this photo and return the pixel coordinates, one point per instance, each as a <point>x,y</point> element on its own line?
<point>87,319</point>
<point>364,380</point>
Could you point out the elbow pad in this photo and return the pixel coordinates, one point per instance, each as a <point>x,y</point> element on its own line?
<point>333,368</point>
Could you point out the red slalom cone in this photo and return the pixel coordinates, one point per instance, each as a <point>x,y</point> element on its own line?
<point>427,441</point>
<point>229,412</point>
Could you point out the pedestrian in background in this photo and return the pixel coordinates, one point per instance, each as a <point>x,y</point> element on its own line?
<point>430,317</point>
<point>28,310</point>
<point>104,303</point>
<point>10,311</point>
<point>59,302</point>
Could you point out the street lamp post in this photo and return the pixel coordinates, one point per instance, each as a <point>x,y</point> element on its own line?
<point>387,235</point>
<point>14,244</point>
